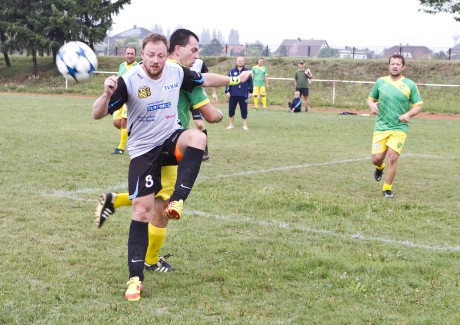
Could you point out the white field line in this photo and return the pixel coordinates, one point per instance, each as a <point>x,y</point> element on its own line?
<point>285,225</point>
<point>75,195</point>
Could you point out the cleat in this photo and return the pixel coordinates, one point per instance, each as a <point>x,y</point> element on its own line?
<point>245,127</point>
<point>205,156</point>
<point>161,266</point>
<point>306,109</point>
<point>118,151</point>
<point>133,293</point>
<point>104,209</point>
<point>378,174</point>
<point>388,194</point>
<point>229,127</point>
<point>174,210</point>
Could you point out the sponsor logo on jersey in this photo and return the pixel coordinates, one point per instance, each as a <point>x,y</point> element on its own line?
<point>171,87</point>
<point>154,107</point>
<point>144,92</point>
<point>147,119</point>
<point>171,116</point>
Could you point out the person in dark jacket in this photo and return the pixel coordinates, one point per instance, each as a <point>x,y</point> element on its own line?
<point>296,105</point>
<point>238,94</point>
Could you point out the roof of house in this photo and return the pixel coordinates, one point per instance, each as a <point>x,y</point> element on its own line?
<point>301,48</point>
<point>138,32</point>
<point>417,52</point>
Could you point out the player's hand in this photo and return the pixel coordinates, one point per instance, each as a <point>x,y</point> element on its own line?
<point>374,107</point>
<point>214,97</point>
<point>244,76</point>
<point>227,94</point>
<point>110,84</point>
<point>404,118</point>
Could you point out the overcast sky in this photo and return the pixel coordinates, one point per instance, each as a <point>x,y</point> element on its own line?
<point>361,23</point>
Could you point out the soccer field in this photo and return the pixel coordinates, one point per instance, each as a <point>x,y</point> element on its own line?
<point>285,224</point>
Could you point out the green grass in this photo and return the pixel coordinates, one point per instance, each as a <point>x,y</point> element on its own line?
<point>285,224</point>
<point>437,100</point>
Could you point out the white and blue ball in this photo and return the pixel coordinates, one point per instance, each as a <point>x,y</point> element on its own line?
<point>76,61</point>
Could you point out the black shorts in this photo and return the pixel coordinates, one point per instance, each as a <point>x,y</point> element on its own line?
<point>303,91</point>
<point>144,175</point>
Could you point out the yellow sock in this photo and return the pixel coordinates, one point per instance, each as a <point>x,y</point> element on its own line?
<point>156,240</point>
<point>264,102</point>
<point>256,102</point>
<point>123,139</point>
<point>381,167</point>
<point>121,200</point>
<point>387,187</point>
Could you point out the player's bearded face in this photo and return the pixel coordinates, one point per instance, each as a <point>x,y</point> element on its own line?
<point>396,67</point>
<point>154,58</point>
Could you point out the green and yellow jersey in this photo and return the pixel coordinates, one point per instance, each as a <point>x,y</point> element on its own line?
<point>258,75</point>
<point>395,99</point>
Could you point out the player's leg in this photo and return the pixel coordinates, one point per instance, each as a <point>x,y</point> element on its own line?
<point>244,112</point>
<point>188,150</point>
<point>198,119</point>
<point>158,224</point>
<point>379,151</point>
<point>255,96</point>
<point>108,203</point>
<point>123,131</point>
<point>232,101</point>
<point>395,145</point>
<point>144,180</point>
<point>263,97</point>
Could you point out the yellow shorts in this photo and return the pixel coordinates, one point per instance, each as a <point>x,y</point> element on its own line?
<point>121,113</point>
<point>168,180</point>
<point>384,139</point>
<point>258,90</point>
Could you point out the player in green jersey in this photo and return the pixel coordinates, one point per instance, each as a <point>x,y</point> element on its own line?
<point>260,84</point>
<point>395,99</point>
<point>120,116</point>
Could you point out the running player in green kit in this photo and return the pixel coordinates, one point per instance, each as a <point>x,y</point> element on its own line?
<point>395,99</point>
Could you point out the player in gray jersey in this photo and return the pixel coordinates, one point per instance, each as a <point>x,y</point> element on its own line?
<point>151,91</point>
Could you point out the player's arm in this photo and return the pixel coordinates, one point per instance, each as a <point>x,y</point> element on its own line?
<point>411,113</point>
<point>211,114</point>
<point>111,99</point>
<point>217,80</point>
<point>373,105</point>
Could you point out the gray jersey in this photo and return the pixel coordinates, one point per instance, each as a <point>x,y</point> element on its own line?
<point>152,113</point>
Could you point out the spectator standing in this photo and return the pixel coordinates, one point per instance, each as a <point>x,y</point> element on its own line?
<point>260,81</point>
<point>302,81</point>
<point>395,99</point>
<point>238,94</point>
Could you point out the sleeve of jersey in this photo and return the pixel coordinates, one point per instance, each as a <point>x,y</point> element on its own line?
<point>415,97</point>
<point>199,98</point>
<point>191,80</point>
<point>119,97</point>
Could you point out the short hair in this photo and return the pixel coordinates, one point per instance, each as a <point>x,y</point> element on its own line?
<point>397,56</point>
<point>180,37</point>
<point>154,38</point>
<point>131,47</point>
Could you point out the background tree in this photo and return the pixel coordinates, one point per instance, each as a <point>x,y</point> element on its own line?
<point>42,26</point>
<point>205,37</point>
<point>157,29</point>
<point>255,49</point>
<point>438,6</point>
<point>214,48</point>
<point>328,52</point>
<point>234,37</point>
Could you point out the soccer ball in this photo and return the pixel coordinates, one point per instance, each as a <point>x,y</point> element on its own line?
<point>76,61</point>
